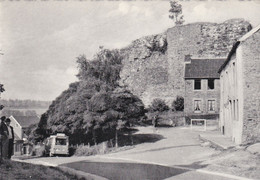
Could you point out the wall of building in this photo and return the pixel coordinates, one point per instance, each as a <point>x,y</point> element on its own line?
<point>17,128</point>
<point>204,95</point>
<point>250,53</point>
<point>240,93</point>
<point>231,102</point>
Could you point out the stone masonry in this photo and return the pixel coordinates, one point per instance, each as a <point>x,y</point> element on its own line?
<point>251,63</point>
<point>154,65</point>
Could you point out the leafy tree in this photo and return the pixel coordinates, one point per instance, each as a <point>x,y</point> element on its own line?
<point>176,12</point>
<point>158,105</point>
<point>178,104</point>
<point>95,108</point>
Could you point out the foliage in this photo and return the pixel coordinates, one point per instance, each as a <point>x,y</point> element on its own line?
<point>1,90</point>
<point>166,118</point>
<point>176,12</point>
<point>38,150</point>
<point>178,104</point>
<point>158,45</point>
<point>93,109</point>
<point>158,105</point>
<point>17,170</point>
<point>86,150</point>
<point>105,67</point>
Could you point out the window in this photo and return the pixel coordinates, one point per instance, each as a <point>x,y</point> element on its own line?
<point>197,84</point>
<point>61,141</point>
<point>211,84</point>
<point>197,105</point>
<point>211,105</point>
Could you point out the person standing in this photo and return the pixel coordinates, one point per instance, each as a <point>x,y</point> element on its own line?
<point>4,138</point>
<point>10,138</point>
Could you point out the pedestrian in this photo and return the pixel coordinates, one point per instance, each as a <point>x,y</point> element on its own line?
<point>10,138</point>
<point>155,122</point>
<point>4,138</point>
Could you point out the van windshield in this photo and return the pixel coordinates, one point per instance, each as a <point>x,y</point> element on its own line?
<point>61,141</point>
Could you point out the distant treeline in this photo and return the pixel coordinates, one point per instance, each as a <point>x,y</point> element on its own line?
<point>25,104</point>
<point>10,112</point>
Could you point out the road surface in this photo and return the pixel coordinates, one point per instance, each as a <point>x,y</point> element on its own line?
<point>178,156</point>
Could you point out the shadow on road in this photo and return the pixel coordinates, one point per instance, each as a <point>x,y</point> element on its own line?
<point>126,171</point>
<point>195,165</point>
<point>165,148</point>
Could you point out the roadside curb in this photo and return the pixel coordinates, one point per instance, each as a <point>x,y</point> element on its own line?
<point>214,143</point>
<point>71,171</point>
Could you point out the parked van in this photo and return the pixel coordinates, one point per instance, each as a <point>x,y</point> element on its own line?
<point>57,145</point>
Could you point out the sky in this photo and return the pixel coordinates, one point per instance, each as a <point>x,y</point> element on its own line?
<point>41,39</point>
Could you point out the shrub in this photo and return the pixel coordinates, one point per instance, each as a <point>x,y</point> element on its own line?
<point>86,150</point>
<point>158,105</point>
<point>38,150</point>
<point>178,104</point>
<point>166,118</point>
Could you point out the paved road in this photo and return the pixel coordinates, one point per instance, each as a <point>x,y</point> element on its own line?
<point>177,156</point>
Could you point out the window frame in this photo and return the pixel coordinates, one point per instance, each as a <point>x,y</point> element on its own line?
<point>212,79</point>
<point>200,106</point>
<point>215,105</point>
<point>194,84</point>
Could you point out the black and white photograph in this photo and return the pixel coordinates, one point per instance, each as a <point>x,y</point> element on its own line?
<point>130,89</point>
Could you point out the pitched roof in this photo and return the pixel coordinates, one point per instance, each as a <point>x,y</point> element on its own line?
<point>235,46</point>
<point>26,121</point>
<point>203,68</point>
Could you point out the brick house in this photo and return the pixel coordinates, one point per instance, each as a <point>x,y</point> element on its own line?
<point>20,124</point>
<point>240,90</point>
<point>202,88</point>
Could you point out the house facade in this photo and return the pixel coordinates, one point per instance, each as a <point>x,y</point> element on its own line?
<point>202,88</point>
<point>20,124</point>
<point>240,90</point>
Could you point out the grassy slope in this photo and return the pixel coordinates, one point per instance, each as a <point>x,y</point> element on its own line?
<point>17,170</point>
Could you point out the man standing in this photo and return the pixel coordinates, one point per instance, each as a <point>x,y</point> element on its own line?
<point>4,138</point>
<point>10,137</point>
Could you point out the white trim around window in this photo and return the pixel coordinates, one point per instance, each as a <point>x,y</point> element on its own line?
<point>197,105</point>
<point>211,105</point>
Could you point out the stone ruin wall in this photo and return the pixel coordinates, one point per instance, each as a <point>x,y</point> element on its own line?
<point>154,65</point>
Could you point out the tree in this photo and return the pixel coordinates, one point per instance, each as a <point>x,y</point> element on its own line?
<point>96,108</point>
<point>178,104</point>
<point>176,12</point>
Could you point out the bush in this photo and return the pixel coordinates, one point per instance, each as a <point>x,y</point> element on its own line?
<point>38,150</point>
<point>166,118</point>
<point>158,105</point>
<point>86,150</point>
<point>178,104</point>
